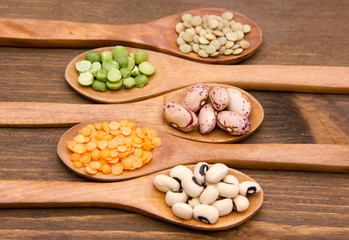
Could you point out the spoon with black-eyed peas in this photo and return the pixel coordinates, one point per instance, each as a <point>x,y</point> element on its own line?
<point>121,195</point>
<point>159,35</point>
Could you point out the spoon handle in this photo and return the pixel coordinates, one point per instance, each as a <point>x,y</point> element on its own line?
<point>308,157</point>
<point>23,193</point>
<point>51,33</point>
<point>316,79</point>
<point>28,114</point>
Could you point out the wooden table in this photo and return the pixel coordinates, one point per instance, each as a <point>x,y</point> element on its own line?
<point>297,204</point>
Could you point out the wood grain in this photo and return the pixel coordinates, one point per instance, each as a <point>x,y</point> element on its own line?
<point>297,205</point>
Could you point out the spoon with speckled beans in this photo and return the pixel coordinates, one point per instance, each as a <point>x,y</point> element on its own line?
<point>159,35</point>
<point>122,195</point>
<point>148,112</point>
<point>173,73</point>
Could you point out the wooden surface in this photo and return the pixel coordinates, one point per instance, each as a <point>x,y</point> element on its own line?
<point>297,204</point>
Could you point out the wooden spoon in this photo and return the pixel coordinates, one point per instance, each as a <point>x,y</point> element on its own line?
<point>159,35</point>
<point>125,195</point>
<point>176,151</point>
<point>173,73</point>
<point>150,112</point>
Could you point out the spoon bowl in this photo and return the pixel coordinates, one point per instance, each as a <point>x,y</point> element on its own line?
<point>124,195</point>
<point>159,35</point>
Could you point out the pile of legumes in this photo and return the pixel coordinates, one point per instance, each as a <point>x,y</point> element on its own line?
<point>114,69</point>
<point>212,36</point>
<point>205,194</point>
<point>111,147</point>
<point>228,108</point>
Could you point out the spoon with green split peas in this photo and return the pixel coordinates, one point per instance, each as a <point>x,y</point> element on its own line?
<point>159,35</point>
<point>124,195</point>
<point>173,73</point>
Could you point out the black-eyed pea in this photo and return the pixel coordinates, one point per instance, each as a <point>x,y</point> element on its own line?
<point>216,173</point>
<point>192,187</point>
<point>180,117</point>
<point>228,190</point>
<point>165,183</point>
<point>206,213</point>
<point>177,196</point>
<point>233,123</point>
<point>231,179</point>
<point>219,98</point>
<point>224,206</point>
<point>196,97</point>
<point>241,203</point>
<point>193,202</point>
<point>209,195</point>
<point>180,172</point>
<point>239,102</point>
<point>249,188</point>
<point>211,184</point>
<point>207,118</point>
<point>200,170</point>
<point>182,210</point>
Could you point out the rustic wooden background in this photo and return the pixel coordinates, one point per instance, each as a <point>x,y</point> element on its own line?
<point>303,205</point>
